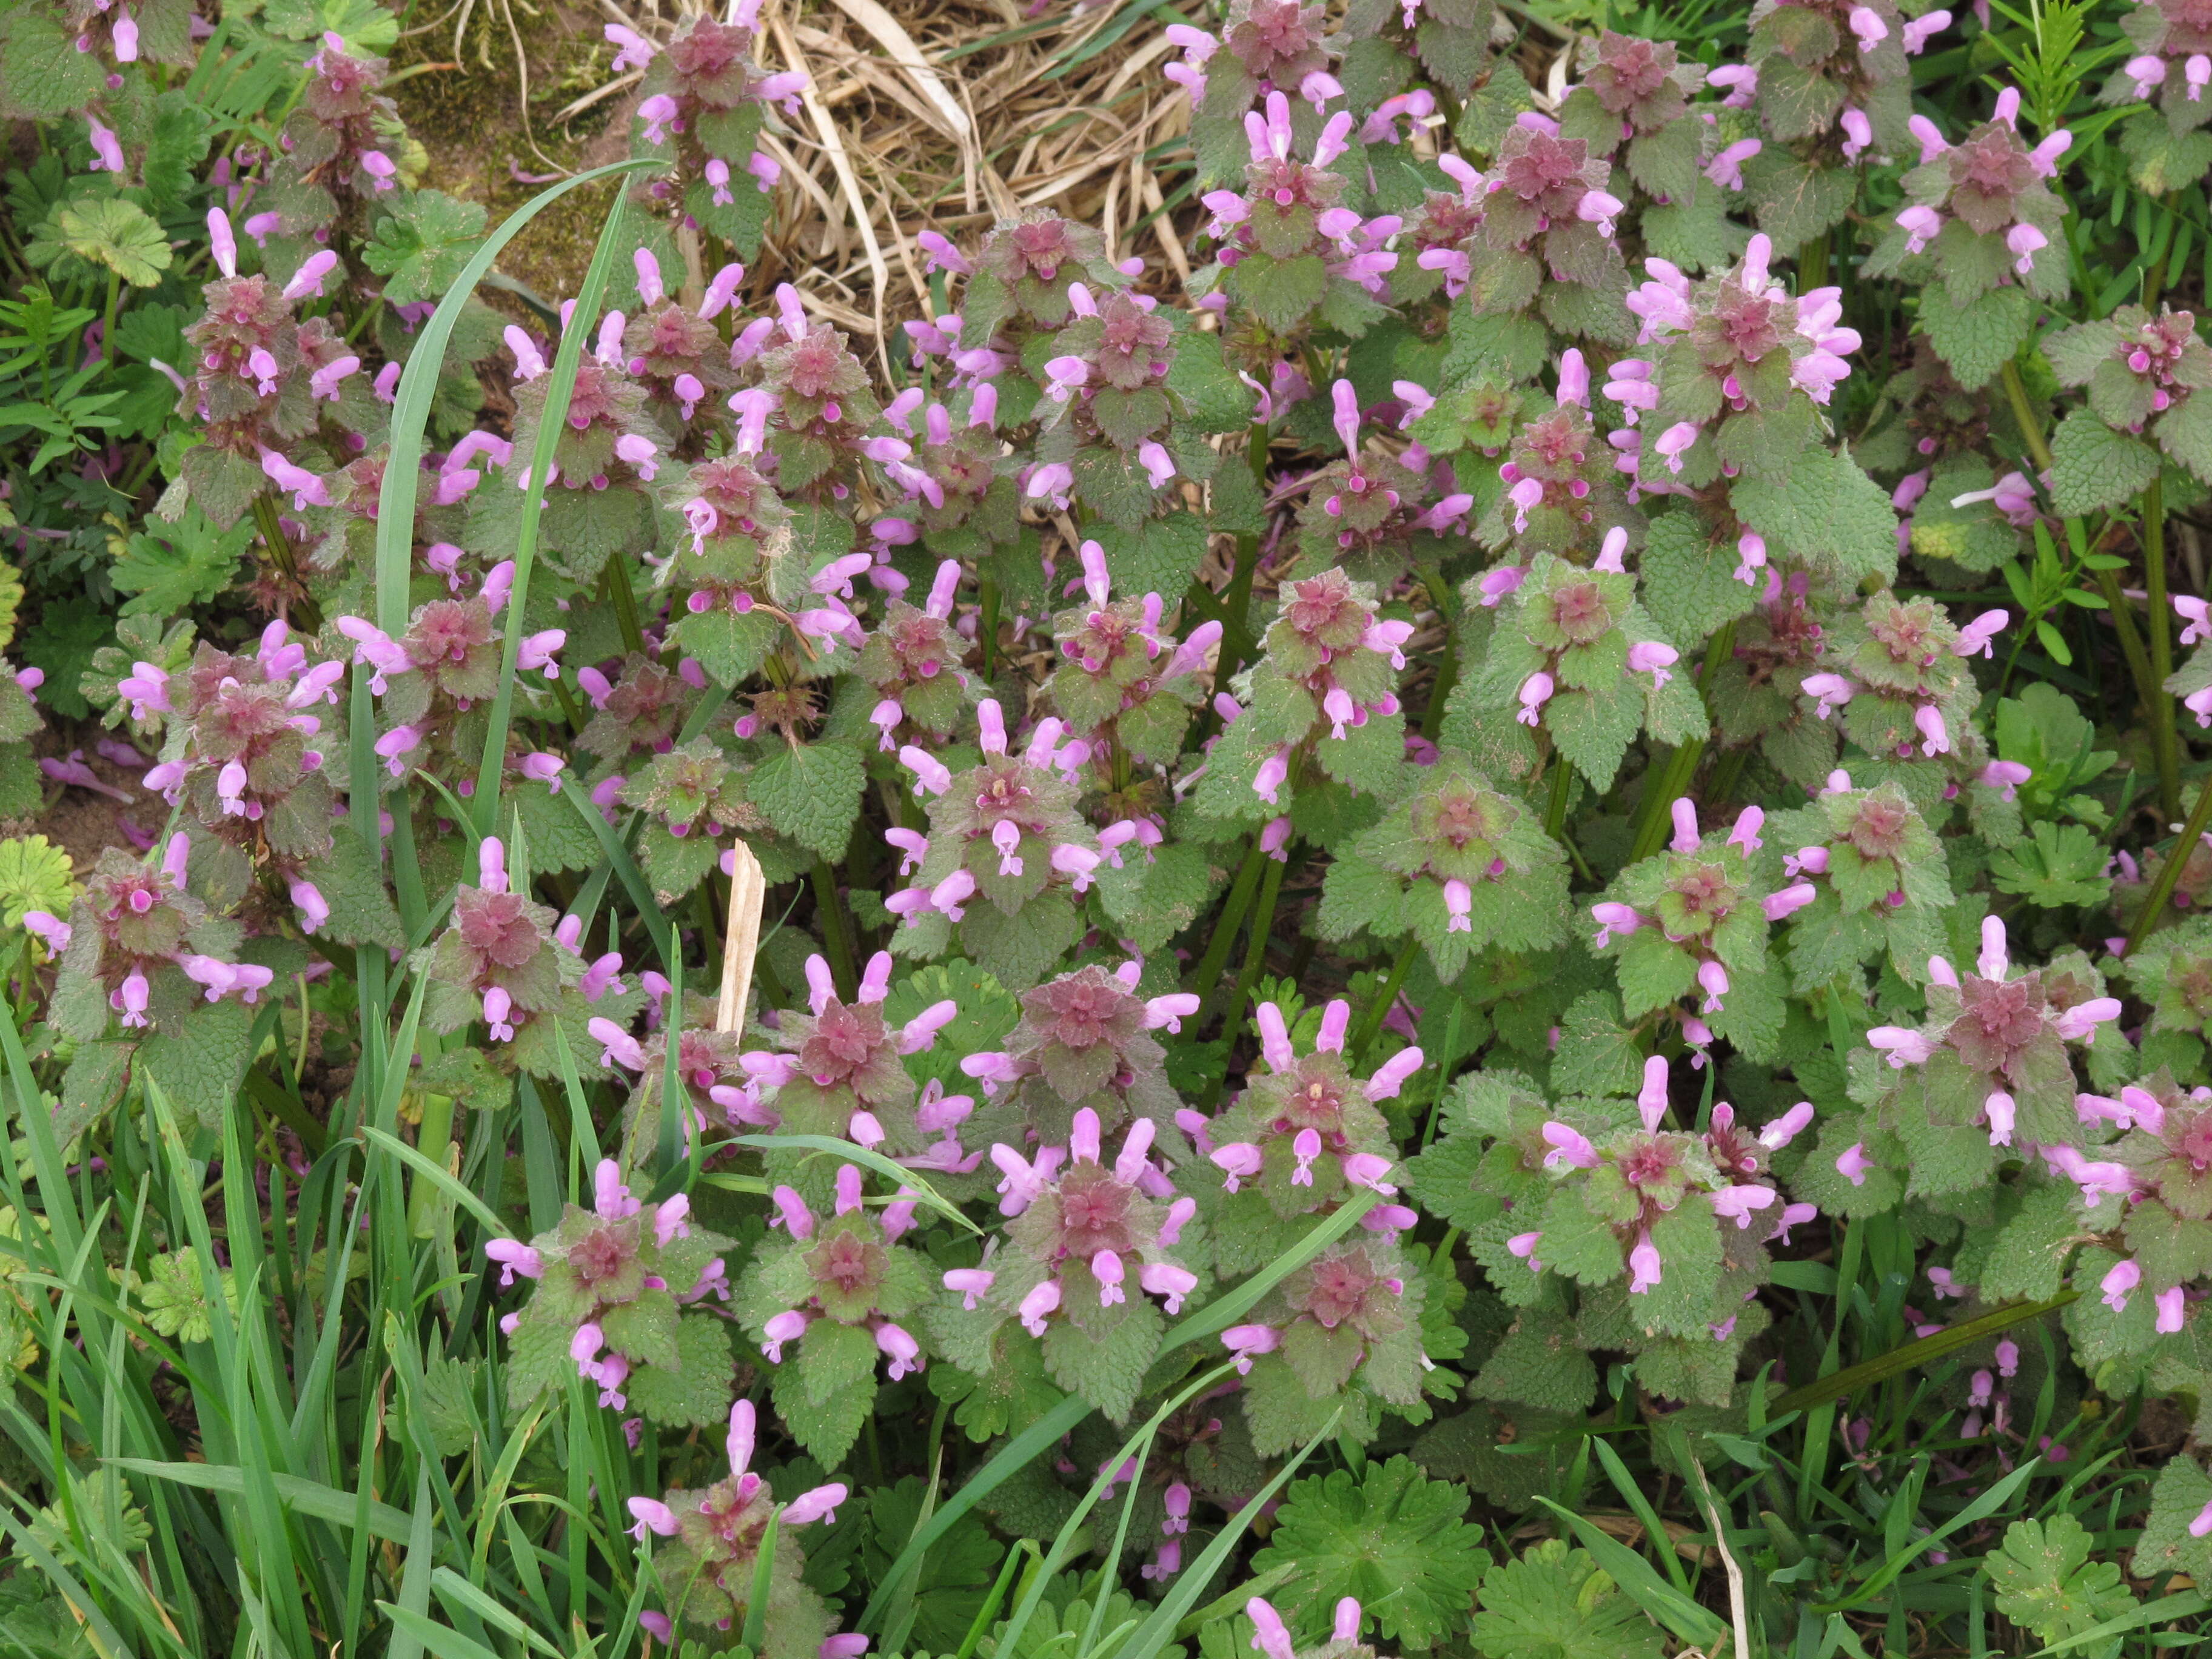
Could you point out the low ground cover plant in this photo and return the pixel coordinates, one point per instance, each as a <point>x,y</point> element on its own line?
<point>1481,931</point>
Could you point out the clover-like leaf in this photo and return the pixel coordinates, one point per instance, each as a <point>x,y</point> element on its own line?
<point>112,233</point>
<point>34,875</point>
<point>1394,1541</point>
<point>1553,1603</point>
<point>2046,1581</point>
<point>2061,864</point>
<point>422,245</point>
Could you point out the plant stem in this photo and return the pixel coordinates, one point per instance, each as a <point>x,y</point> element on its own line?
<point>616,583</point>
<point>1440,688</point>
<point>2161,891</point>
<point>1208,978</point>
<point>987,625</point>
<point>1370,1027</point>
<point>2031,430</point>
<point>2165,743</point>
<point>1255,954</point>
<point>304,611</point>
<point>837,929</point>
<point>431,1139</point>
<point>1555,809</point>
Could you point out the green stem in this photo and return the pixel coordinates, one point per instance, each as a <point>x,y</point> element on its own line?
<point>618,594</point>
<point>2161,890</point>
<point>305,611</point>
<point>2031,429</point>
<point>1255,955</point>
<point>1440,690</point>
<point>1208,978</point>
<point>1555,809</point>
<point>2165,743</point>
<point>437,1133</point>
<point>2131,648</point>
<point>1370,1027</point>
<point>836,930</point>
<point>1682,765</point>
<point>107,319</point>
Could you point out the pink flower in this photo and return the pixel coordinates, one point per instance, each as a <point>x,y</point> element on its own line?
<point>1726,169</point>
<point>1568,1146</point>
<point>1854,1163</point>
<point>1247,1342</point>
<point>1643,1265</point>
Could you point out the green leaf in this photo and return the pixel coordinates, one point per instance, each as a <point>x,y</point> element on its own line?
<point>1394,1540</point>
<point>365,25</point>
<point>421,246</point>
<point>34,875</point>
<point>2060,863</point>
<point>1825,512</point>
<point>2046,1582</point>
<point>63,644</point>
<point>1555,1603</point>
<point>1977,338</point>
<point>811,792</point>
<point>167,570</point>
<point>2093,468</point>
<point>112,233</point>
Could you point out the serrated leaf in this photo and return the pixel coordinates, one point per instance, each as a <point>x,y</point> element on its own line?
<point>1977,338</point>
<point>167,570</point>
<point>810,792</point>
<point>2093,468</point>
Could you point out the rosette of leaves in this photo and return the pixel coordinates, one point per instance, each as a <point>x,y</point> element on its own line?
<point>611,1267</point>
<point>1986,1072</point>
<point>1390,1537</point>
<point>846,1062</point>
<point>694,797</point>
<point>244,315</point>
<point>1264,44</point>
<point>1546,246</point>
<point>914,657</point>
<point>1989,229</point>
<point>1811,67</point>
<point>1562,454</point>
<point>1317,649</point>
<point>1701,904</point>
<point>1078,1267</point>
<point>1023,272</point>
<point>1083,1042</point>
<point>1633,105</point>
<point>970,506</point>
<point>1120,683</point>
<point>741,561</point>
<point>1758,693</point>
<point>849,1276</point>
<point>667,339</point>
<point>130,919</point>
<point>1563,639</point>
<point>1306,1116</point>
<point>1885,879</point>
<point>1902,657</point>
<point>597,502</point>
<point>1449,825</point>
<point>1019,923</point>
<point>706,72</point>
<point>825,405</point>
<point>504,941</point>
<point>1348,1330</point>
<point>2143,375</point>
<point>642,712</point>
